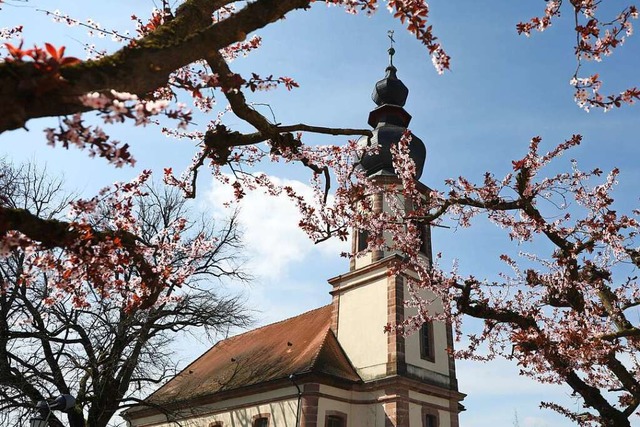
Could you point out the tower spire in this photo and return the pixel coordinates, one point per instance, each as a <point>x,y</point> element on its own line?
<point>390,120</point>
<point>391,50</point>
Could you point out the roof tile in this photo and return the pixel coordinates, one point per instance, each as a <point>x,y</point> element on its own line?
<point>301,344</point>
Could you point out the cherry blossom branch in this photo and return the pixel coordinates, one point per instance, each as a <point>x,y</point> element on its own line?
<point>52,233</point>
<point>90,24</point>
<point>185,39</point>
<point>567,322</point>
<point>537,342</point>
<point>595,39</point>
<point>219,142</point>
<point>300,127</point>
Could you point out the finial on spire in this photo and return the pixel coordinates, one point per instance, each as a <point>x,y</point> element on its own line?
<point>391,50</point>
<point>390,90</point>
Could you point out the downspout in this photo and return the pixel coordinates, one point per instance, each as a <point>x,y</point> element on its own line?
<point>292,379</point>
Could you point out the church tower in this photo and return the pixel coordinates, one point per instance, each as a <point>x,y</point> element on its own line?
<point>334,366</point>
<point>415,374</point>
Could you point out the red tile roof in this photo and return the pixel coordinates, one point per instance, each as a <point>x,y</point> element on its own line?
<point>301,344</point>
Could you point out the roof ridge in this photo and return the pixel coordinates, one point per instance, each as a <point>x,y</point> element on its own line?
<point>314,359</point>
<point>346,357</point>
<point>331,336</point>
<point>274,323</point>
<point>180,372</point>
<point>219,343</point>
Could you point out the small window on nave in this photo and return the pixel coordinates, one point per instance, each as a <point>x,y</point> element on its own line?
<point>335,421</point>
<point>261,422</point>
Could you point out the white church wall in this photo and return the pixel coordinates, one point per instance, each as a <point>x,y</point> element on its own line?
<point>361,320</point>
<point>417,415</point>
<point>363,260</point>
<point>441,357</point>
<point>413,356</point>
<point>279,405</point>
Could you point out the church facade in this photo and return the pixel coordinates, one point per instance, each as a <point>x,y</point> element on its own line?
<point>334,366</point>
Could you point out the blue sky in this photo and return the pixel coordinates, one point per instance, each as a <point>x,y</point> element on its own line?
<point>502,90</point>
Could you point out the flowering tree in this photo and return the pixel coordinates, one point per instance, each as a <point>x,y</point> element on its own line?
<point>85,324</point>
<point>566,316</point>
<point>564,321</point>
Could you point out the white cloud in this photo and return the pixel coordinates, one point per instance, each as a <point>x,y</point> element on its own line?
<point>274,242</point>
<point>290,270</point>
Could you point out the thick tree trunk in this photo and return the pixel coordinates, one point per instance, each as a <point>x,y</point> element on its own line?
<point>76,418</point>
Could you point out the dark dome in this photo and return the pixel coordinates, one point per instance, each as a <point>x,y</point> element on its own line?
<point>390,90</point>
<point>390,121</point>
<point>384,136</point>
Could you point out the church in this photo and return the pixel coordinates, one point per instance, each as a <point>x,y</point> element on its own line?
<point>334,366</point>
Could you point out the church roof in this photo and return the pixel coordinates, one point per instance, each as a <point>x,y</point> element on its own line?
<point>299,345</point>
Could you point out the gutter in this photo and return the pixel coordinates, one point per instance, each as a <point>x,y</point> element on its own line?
<point>292,379</point>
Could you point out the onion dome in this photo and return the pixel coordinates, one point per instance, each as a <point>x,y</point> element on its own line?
<point>390,90</point>
<point>390,121</point>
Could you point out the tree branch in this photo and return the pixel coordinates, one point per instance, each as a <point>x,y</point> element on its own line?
<point>153,58</point>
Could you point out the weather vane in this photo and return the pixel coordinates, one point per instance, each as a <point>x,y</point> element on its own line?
<point>391,49</point>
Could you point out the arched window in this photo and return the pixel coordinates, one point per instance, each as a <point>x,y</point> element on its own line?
<point>430,417</point>
<point>430,420</point>
<point>426,342</point>
<point>260,420</point>
<point>363,235</point>
<point>335,419</point>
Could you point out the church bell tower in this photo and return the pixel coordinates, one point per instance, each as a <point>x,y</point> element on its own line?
<point>415,374</point>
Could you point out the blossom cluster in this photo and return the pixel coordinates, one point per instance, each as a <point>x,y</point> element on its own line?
<point>7,33</point>
<point>568,314</point>
<point>415,14</point>
<point>72,131</point>
<point>596,38</point>
<point>114,107</point>
<point>108,257</point>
